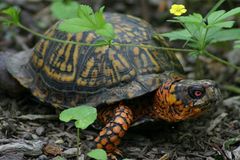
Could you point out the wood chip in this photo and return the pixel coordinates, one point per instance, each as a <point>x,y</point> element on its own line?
<point>29,148</point>
<point>52,149</point>
<point>215,122</point>
<point>33,117</point>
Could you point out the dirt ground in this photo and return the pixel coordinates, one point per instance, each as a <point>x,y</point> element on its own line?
<point>31,130</point>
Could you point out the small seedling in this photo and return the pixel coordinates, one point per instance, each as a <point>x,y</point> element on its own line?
<point>87,20</point>
<point>98,154</point>
<point>83,116</point>
<point>13,14</point>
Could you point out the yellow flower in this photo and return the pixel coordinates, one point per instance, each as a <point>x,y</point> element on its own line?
<point>178,9</point>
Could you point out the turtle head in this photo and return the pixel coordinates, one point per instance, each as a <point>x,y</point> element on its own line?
<point>184,99</point>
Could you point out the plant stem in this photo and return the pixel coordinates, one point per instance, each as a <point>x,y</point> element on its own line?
<point>67,1</point>
<point>199,68</point>
<point>232,88</point>
<point>55,39</point>
<point>221,60</point>
<point>214,8</point>
<point>78,142</point>
<point>203,43</point>
<point>153,47</point>
<point>90,44</point>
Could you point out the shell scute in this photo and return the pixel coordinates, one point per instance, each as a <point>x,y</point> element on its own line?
<point>66,75</point>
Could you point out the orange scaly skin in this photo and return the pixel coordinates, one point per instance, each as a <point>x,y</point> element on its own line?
<point>115,129</point>
<point>171,102</point>
<point>118,118</point>
<point>167,107</point>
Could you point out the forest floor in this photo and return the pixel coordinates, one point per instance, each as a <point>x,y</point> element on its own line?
<point>31,130</point>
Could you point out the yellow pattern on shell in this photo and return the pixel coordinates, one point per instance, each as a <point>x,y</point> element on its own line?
<point>84,72</point>
<point>55,61</point>
<point>88,67</point>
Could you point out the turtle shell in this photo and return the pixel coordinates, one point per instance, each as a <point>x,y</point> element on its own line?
<point>67,75</point>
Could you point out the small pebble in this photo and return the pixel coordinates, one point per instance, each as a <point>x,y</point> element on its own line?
<point>210,158</point>
<point>40,131</point>
<point>27,136</point>
<point>12,156</point>
<point>42,157</point>
<point>71,152</point>
<point>35,137</point>
<point>59,158</point>
<point>59,141</point>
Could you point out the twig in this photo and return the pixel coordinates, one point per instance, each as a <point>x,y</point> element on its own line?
<point>219,150</point>
<point>33,117</point>
<point>197,155</point>
<point>215,122</point>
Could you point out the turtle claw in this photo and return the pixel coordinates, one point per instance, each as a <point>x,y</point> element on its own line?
<point>115,155</point>
<point>118,152</point>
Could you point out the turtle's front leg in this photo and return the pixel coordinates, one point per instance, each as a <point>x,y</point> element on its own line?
<point>116,126</point>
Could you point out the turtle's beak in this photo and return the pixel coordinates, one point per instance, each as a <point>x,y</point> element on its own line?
<point>213,94</point>
<point>213,91</point>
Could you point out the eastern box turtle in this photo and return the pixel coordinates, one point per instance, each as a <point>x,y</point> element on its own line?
<point>124,83</point>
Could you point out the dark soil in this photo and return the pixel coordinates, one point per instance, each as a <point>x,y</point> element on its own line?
<point>31,130</point>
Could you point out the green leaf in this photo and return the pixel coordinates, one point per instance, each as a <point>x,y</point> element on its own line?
<point>219,16</point>
<point>98,154</point>
<point>100,17</point>
<point>13,13</point>
<point>193,45</point>
<point>211,33</point>
<point>194,53</point>
<point>96,22</point>
<point>84,115</point>
<point>214,16</point>
<point>194,18</point>
<point>62,10</point>
<point>86,14</point>
<point>178,35</point>
<point>88,21</point>
<point>225,35</point>
<point>227,24</point>
<point>85,11</point>
<point>74,25</point>
<point>229,14</point>
<point>107,31</point>
<point>195,29</point>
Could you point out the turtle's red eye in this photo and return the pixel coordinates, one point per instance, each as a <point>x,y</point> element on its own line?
<point>196,92</point>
